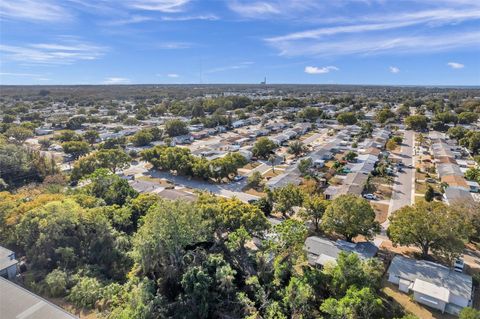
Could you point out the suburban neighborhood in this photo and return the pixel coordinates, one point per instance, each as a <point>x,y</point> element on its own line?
<point>329,178</point>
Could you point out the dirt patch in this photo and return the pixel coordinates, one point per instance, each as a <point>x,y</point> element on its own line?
<point>420,176</point>
<point>251,165</point>
<point>160,181</point>
<point>381,211</point>
<point>254,192</point>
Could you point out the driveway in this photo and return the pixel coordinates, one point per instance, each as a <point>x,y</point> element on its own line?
<point>403,193</point>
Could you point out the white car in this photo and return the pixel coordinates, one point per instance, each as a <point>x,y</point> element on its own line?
<point>459,265</point>
<point>370,196</point>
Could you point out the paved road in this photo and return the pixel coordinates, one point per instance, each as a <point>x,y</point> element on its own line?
<point>315,136</point>
<point>403,192</point>
<point>233,189</point>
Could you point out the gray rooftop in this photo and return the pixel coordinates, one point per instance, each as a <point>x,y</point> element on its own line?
<point>457,283</point>
<point>17,302</point>
<point>7,258</point>
<point>317,247</point>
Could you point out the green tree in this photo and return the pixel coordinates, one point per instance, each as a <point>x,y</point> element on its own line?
<point>299,297</point>
<point>166,230</point>
<point>446,117</point>
<point>197,285</point>
<point>287,197</point>
<point>8,118</point>
<point>271,160</point>
<point>473,174</point>
<point>76,149</point>
<point>75,123</point>
<point>471,141</point>
<point>356,304</point>
<point>110,187</point>
<point>416,122</point>
<point>91,136</point>
<point>255,180</point>
<point>391,145</point>
<point>350,216</point>
<point>304,166</point>
<point>430,225</point>
<point>176,128</point>
<point>429,194</point>
<point>19,134</point>
<point>86,292</point>
<point>296,148</point>
<point>350,156</point>
<point>347,118</point>
<point>469,313</point>
<point>350,271</point>
<point>113,159</point>
<point>315,207</point>
<point>467,117</point>
<point>142,138</point>
<point>263,147</point>
<point>457,132</point>
<point>384,115</point>
<point>56,283</point>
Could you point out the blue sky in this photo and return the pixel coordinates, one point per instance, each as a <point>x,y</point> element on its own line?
<point>398,42</point>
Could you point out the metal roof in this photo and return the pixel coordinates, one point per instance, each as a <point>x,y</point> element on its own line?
<point>18,303</point>
<point>323,249</point>
<point>457,283</point>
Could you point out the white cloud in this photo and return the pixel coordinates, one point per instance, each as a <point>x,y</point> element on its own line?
<point>207,17</point>
<point>320,70</point>
<point>253,9</point>
<point>66,52</point>
<point>168,6</point>
<point>116,80</point>
<point>241,65</point>
<point>44,10</point>
<point>175,45</point>
<point>369,45</point>
<point>387,32</point>
<point>173,75</point>
<point>14,74</point>
<point>455,65</point>
<point>394,69</point>
<point>129,20</point>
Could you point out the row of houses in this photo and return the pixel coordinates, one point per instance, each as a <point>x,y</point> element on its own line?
<point>359,170</point>
<point>446,155</point>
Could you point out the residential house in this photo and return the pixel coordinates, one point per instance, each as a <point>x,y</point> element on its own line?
<point>432,284</point>
<point>321,251</point>
<point>8,263</point>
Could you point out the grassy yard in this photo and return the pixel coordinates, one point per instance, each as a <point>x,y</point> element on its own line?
<point>411,306</point>
<point>270,173</point>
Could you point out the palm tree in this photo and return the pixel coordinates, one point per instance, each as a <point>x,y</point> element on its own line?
<point>271,160</point>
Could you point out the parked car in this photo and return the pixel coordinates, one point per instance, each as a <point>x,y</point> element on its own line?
<point>370,196</point>
<point>459,265</point>
<point>430,180</point>
<point>238,178</point>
